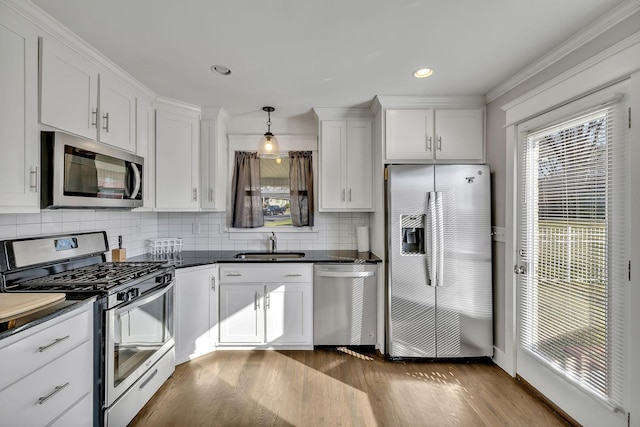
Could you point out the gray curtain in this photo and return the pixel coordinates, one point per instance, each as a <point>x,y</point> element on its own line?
<point>246,200</point>
<point>301,182</point>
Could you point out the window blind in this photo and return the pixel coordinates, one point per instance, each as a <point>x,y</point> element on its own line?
<point>572,298</point>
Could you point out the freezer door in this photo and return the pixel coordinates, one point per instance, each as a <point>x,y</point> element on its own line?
<point>464,295</point>
<point>411,298</point>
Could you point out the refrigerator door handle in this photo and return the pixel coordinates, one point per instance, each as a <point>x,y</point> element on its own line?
<point>440,240</point>
<point>432,251</point>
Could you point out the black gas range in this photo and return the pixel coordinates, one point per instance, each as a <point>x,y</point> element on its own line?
<point>133,312</point>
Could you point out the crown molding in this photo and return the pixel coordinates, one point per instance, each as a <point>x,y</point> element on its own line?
<point>596,28</point>
<point>53,28</point>
<point>409,101</point>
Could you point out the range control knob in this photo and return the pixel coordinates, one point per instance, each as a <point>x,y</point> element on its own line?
<point>161,279</point>
<point>122,296</point>
<point>133,293</point>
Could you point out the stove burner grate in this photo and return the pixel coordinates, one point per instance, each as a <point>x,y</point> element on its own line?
<point>97,277</point>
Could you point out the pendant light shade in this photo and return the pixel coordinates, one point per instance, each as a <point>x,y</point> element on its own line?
<point>268,147</point>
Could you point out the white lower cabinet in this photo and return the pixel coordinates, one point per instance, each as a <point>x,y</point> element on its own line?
<point>196,311</point>
<point>48,372</point>
<point>266,305</point>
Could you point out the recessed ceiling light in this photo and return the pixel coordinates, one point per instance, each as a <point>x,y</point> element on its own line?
<point>422,73</point>
<point>221,69</point>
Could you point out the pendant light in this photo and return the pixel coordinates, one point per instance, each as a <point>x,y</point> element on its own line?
<point>268,148</point>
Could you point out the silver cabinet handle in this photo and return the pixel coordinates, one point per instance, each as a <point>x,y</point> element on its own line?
<point>94,117</point>
<point>213,283</point>
<point>34,179</point>
<point>106,122</point>
<point>428,141</point>
<point>256,301</point>
<point>56,342</point>
<point>268,301</point>
<point>342,195</point>
<point>211,194</point>
<point>293,275</point>
<point>349,194</point>
<point>233,274</point>
<point>56,390</point>
<point>439,143</point>
<point>195,194</point>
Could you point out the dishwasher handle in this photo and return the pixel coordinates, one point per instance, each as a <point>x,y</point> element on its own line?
<point>349,274</point>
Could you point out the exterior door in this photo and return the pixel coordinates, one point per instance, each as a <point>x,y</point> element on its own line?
<point>572,279</point>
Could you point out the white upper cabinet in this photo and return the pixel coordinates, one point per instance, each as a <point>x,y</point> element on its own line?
<point>459,134</point>
<point>79,97</point>
<point>213,159</point>
<point>438,130</point>
<point>68,90</point>
<point>177,156</point>
<point>346,160</point>
<point>117,113</point>
<point>19,132</point>
<point>145,147</point>
<point>409,134</point>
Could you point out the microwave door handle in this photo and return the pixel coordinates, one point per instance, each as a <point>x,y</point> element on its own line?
<point>138,180</point>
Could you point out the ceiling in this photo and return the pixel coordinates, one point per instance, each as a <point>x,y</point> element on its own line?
<point>300,54</point>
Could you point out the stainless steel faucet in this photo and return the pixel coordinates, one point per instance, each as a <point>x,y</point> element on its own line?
<point>273,242</point>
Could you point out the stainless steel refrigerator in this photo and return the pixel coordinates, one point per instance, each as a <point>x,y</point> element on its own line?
<point>439,292</point>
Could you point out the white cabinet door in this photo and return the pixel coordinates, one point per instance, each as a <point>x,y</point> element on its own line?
<point>117,113</point>
<point>409,134</point>
<point>69,90</point>
<point>177,150</point>
<point>346,165</point>
<point>241,313</point>
<point>213,163</point>
<point>145,147</point>
<point>289,313</point>
<point>332,165</point>
<point>196,313</point>
<point>19,132</point>
<point>459,134</point>
<point>359,168</point>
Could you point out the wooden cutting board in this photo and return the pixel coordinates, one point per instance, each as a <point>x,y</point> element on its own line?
<point>16,305</point>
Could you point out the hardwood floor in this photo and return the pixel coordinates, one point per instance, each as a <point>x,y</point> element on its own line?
<point>329,387</point>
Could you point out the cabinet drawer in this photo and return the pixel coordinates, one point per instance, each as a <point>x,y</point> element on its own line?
<point>40,397</point>
<point>80,415</point>
<point>266,274</point>
<point>52,339</point>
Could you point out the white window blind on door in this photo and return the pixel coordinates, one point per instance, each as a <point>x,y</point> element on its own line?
<point>572,297</point>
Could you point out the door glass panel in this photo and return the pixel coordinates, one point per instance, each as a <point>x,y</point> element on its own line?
<point>572,245</point>
<point>90,174</point>
<point>140,330</point>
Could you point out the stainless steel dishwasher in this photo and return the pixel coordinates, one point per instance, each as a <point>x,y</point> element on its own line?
<point>344,304</point>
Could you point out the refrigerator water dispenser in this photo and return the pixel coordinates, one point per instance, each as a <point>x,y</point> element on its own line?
<point>412,227</point>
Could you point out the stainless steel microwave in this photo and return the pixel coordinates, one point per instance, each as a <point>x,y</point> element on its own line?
<point>79,173</point>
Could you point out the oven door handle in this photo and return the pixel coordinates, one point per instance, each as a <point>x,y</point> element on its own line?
<point>145,299</point>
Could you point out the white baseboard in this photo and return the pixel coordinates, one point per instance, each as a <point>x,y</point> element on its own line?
<point>501,359</point>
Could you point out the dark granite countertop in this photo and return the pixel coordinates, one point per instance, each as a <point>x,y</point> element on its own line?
<point>24,323</point>
<point>186,259</point>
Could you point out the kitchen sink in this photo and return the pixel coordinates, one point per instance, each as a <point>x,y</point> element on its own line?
<point>269,255</point>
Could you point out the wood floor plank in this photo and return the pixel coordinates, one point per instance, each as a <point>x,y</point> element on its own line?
<point>328,387</point>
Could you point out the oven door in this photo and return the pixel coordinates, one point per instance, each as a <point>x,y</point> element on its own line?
<point>138,334</point>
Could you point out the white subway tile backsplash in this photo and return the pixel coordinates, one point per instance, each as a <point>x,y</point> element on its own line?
<point>331,230</point>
